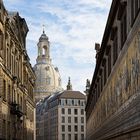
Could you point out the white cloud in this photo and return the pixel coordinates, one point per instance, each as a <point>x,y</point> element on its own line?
<point>72,28</point>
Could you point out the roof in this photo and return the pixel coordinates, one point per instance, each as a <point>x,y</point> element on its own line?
<point>108,27</point>
<point>43,37</point>
<point>67,94</point>
<point>72,94</point>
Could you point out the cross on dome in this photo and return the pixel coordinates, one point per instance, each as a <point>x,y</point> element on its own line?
<point>43,29</point>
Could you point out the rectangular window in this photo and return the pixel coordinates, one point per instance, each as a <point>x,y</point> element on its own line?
<point>69,119</point>
<point>115,47</point>
<point>4,89</point>
<point>63,119</point>
<point>76,128</point>
<point>135,7</point>
<point>82,111</point>
<point>109,62</point>
<point>76,137</point>
<point>69,128</point>
<point>101,81</point>
<point>132,12</point>
<point>75,119</point>
<point>82,128</point>
<point>69,111</point>
<point>9,93</point>
<point>75,111</point>
<point>63,128</point>
<point>69,136</point>
<point>63,136</point>
<point>63,111</point>
<point>82,136</point>
<point>104,73</point>
<point>82,119</point>
<point>123,28</point>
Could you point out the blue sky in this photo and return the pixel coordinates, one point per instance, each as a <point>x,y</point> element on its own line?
<point>73,27</point>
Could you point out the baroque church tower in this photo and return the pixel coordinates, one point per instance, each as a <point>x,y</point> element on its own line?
<point>48,79</point>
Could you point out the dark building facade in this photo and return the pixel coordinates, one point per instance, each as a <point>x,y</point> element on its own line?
<point>113,106</point>
<point>17,106</point>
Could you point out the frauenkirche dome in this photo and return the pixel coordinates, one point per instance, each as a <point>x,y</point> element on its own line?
<point>48,79</point>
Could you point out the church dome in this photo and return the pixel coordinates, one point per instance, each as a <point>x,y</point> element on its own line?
<point>48,79</point>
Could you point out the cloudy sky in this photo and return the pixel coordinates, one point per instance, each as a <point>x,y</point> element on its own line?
<point>73,27</point>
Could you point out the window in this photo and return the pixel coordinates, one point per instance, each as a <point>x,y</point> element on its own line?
<point>82,128</point>
<point>76,128</point>
<point>82,103</point>
<point>75,119</point>
<point>69,111</point>
<point>63,111</point>
<point>69,136</point>
<point>135,6</point>
<point>75,111</point>
<point>9,93</point>
<point>63,119</point>
<point>44,50</point>
<point>82,111</point>
<point>72,102</point>
<point>69,128</point>
<point>69,102</point>
<point>66,101</point>
<point>109,62</point>
<point>63,136</point>
<point>115,47</point>
<point>82,119</point>
<point>75,102</point>
<point>82,136</point>
<point>101,82</point>
<point>76,137</point>
<point>63,128</point>
<point>69,119</point>
<point>123,28</point>
<point>104,75</point>
<point>1,40</point>
<point>48,80</point>
<point>4,89</point>
<point>62,101</point>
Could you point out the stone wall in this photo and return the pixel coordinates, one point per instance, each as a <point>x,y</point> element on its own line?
<point>118,109</point>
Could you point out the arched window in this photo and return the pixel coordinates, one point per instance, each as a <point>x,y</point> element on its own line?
<point>44,50</point>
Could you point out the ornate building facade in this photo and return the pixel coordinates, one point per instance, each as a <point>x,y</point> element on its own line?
<point>64,116</point>
<point>48,78</point>
<point>17,107</point>
<point>113,106</point>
